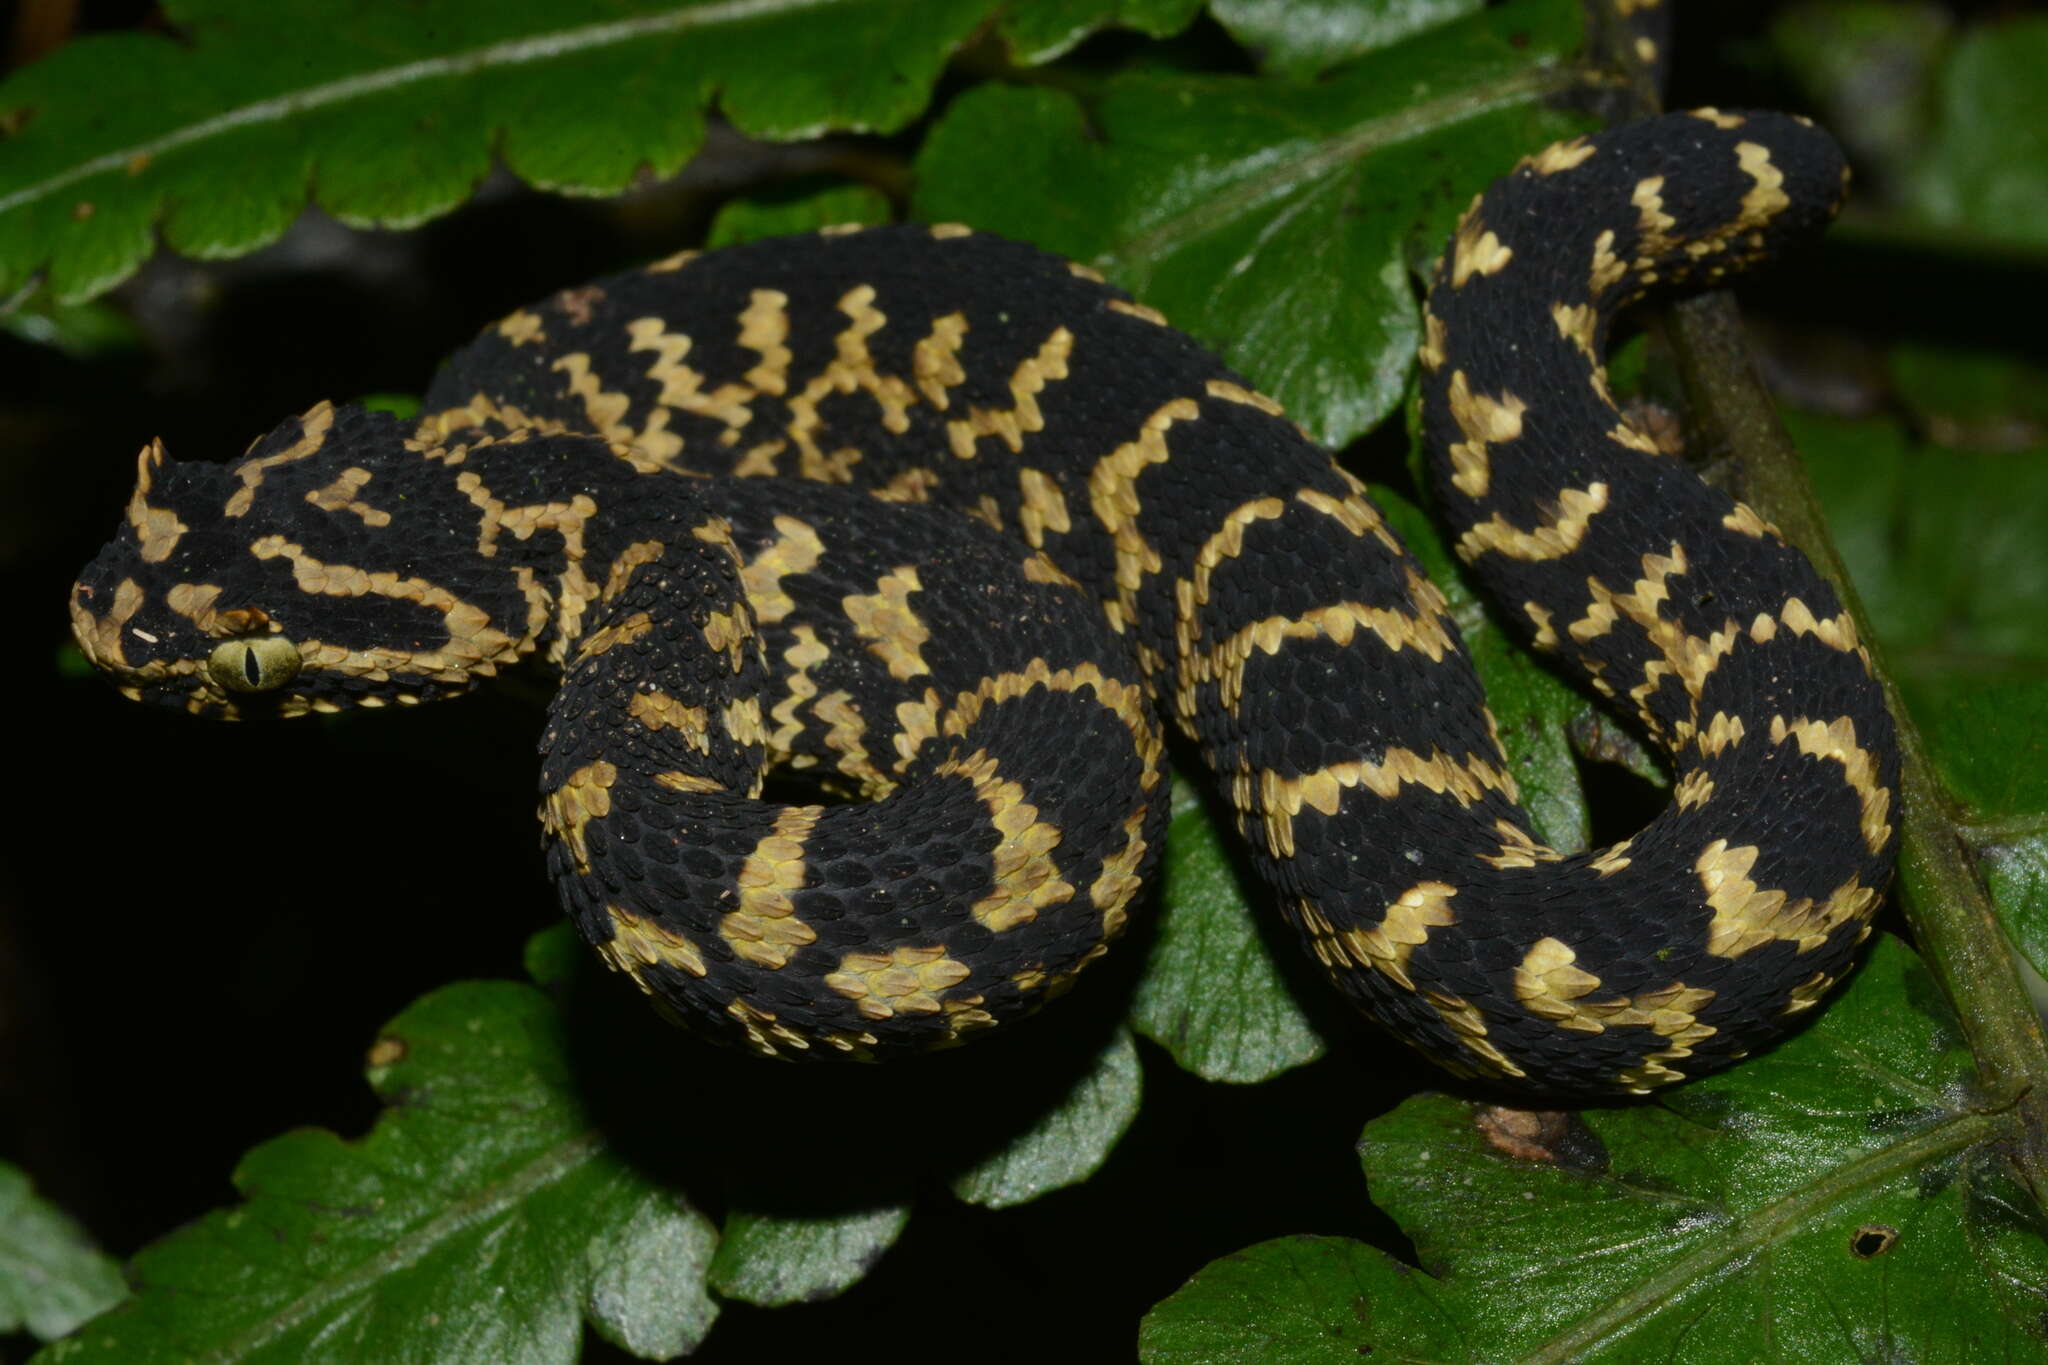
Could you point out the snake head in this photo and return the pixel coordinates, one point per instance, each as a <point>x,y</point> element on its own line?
<point>284,584</point>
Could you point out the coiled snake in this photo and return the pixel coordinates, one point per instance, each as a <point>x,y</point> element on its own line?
<point>722,495</point>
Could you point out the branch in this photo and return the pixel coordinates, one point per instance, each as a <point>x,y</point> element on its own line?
<point>1945,901</point>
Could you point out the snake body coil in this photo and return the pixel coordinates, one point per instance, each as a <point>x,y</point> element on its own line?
<point>722,494</point>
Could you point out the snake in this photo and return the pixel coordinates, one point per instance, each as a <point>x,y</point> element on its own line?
<point>881,568</point>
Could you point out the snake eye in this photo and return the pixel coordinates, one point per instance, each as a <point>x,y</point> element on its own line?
<point>253,664</point>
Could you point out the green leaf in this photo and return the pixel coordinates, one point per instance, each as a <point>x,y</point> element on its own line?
<point>1838,1198</point>
<point>754,217</point>
<point>1300,38</point>
<point>1946,548</point>
<point>1212,995</point>
<point>397,404</point>
<point>554,955</point>
<point>51,1275</point>
<point>1987,166</point>
<point>1989,735</point>
<point>1870,64</point>
<point>2015,871</point>
<point>1277,222</point>
<point>1302,1301</point>
<point>1989,738</point>
<point>1944,545</point>
<point>84,331</point>
<point>1069,1142</point>
<point>390,114</point>
<point>1045,29</point>
<point>483,1219</point>
<point>1951,126</point>
<point>772,1261</point>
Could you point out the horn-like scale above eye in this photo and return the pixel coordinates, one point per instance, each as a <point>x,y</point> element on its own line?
<point>261,663</point>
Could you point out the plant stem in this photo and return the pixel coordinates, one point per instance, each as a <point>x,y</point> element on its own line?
<point>1944,899</point>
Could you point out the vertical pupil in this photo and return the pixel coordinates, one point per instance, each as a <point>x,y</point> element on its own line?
<point>249,668</point>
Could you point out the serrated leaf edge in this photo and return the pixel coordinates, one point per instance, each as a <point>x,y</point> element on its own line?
<point>550,1166</point>
<point>514,52</point>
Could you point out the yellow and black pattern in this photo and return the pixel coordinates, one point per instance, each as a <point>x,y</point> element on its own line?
<point>723,495</point>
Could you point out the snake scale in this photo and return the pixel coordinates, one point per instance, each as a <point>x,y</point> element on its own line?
<point>723,496</point>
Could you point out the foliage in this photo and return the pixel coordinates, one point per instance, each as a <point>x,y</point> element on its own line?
<point>51,1277</point>
<point>1834,1200</point>
<point>1952,119</point>
<point>1272,177</point>
<point>484,1215</point>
